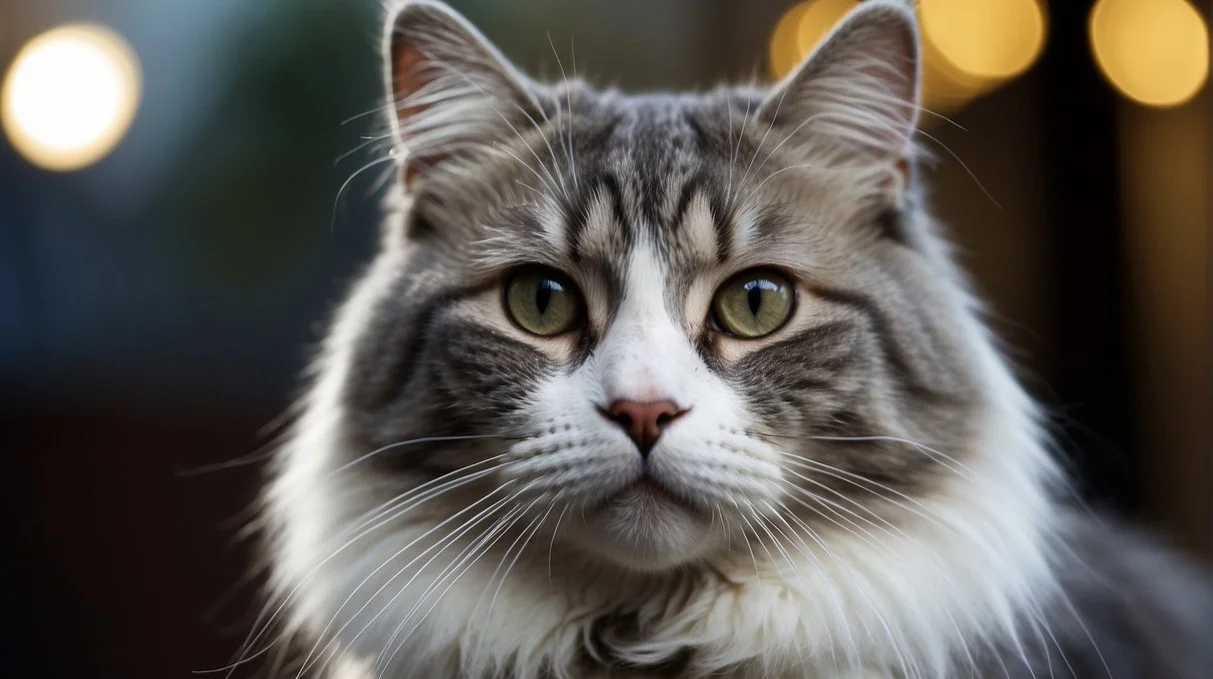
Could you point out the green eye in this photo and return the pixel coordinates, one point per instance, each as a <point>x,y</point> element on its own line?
<point>543,301</point>
<point>753,303</point>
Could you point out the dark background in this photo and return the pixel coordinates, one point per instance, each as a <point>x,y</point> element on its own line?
<point>156,308</point>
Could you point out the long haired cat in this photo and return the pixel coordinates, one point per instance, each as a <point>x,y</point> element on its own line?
<point>685,385</point>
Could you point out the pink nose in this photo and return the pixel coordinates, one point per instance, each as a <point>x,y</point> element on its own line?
<point>643,422</point>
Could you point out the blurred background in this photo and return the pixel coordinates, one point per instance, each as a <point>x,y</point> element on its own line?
<point>184,194</point>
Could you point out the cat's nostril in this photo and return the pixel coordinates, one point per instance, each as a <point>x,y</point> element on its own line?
<point>643,421</point>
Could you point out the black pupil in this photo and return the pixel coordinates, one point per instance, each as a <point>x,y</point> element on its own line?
<point>754,291</point>
<point>543,294</point>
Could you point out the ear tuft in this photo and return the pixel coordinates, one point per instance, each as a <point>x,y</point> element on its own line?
<point>859,88</point>
<point>453,93</point>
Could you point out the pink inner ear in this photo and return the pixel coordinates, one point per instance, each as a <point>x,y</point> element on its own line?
<point>405,82</point>
<point>404,77</point>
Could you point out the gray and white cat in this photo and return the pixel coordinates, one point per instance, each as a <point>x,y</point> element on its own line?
<point>686,385</point>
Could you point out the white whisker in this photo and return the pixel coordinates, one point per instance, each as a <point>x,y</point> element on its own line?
<point>469,556</point>
<point>443,542</point>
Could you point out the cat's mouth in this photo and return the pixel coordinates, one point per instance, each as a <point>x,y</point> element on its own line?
<point>648,491</point>
<point>647,525</point>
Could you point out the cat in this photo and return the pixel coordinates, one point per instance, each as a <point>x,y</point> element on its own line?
<point>685,385</point>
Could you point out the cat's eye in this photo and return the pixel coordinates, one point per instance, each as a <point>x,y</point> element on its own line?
<point>543,301</point>
<point>753,303</point>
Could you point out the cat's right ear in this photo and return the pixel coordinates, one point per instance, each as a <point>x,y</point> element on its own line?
<point>860,89</point>
<point>452,92</point>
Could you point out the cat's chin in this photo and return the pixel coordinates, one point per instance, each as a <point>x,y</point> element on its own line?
<point>644,528</point>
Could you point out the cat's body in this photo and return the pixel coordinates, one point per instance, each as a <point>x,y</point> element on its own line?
<point>686,386</point>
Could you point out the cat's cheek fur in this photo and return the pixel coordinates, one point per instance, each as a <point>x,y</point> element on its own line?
<point>307,568</point>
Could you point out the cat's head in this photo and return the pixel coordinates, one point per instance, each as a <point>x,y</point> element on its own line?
<point>669,319</point>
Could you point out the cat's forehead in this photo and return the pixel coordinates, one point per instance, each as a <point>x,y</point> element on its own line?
<point>677,181</point>
<point>649,170</point>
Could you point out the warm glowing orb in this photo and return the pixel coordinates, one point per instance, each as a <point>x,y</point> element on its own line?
<point>785,53</point>
<point>70,96</point>
<point>801,29</point>
<point>818,20</point>
<point>989,39</point>
<point>1155,52</point>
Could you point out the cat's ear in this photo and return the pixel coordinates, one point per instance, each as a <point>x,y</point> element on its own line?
<point>860,88</point>
<point>452,92</point>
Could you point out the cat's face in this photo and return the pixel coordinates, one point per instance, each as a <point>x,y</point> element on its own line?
<point>658,324</point>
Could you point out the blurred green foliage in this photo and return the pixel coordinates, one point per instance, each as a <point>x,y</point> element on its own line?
<point>257,184</point>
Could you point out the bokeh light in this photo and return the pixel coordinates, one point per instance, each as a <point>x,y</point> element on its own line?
<point>946,88</point>
<point>1155,52</point>
<point>70,96</point>
<point>817,20</point>
<point>991,39</point>
<point>969,47</point>
<point>785,51</point>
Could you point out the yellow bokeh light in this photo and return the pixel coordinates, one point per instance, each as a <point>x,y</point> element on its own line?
<point>971,48</point>
<point>819,17</point>
<point>946,88</point>
<point>987,39</point>
<point>785,52</point>
<point>1155,52</point>
<point>801,28</point>
<point>70,96</point>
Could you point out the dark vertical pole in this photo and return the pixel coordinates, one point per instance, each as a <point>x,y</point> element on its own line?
<point>1078,121</point>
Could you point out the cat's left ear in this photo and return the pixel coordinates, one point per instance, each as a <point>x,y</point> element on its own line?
<point>859,90</point>
<point>453,93</point>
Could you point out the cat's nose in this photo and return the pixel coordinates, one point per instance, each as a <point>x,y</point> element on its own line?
<point>643,421</point>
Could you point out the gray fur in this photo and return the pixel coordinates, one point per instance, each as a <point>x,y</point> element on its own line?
<point>1128,609</point>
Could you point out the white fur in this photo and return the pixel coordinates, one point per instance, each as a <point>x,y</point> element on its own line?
<point>698,222</point>
<point>643,356</point>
